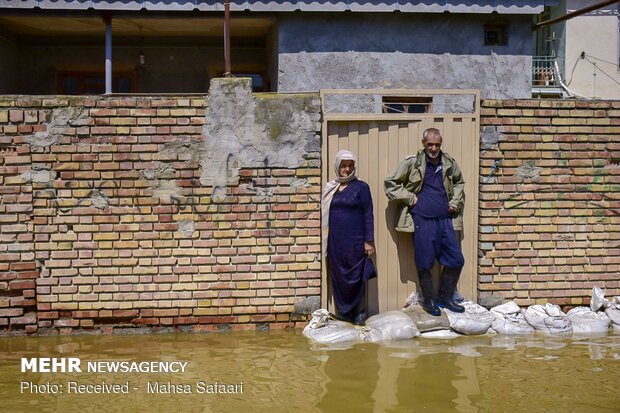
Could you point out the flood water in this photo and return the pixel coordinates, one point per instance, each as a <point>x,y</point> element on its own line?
<point>283,372</point>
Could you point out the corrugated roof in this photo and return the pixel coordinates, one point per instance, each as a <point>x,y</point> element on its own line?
<point>409,6</point>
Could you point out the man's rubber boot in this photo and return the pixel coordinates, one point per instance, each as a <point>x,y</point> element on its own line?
<point>449,279</point>
<point>426,285</point>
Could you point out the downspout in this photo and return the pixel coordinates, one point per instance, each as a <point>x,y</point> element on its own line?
<point>558,76</point>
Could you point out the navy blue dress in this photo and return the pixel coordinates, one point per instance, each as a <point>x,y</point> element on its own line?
<point>351,224</point>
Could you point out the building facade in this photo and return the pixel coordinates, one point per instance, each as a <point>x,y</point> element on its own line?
<point>52,47</point>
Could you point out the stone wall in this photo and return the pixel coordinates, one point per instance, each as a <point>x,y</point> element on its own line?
<point>164,212</point>
<point>549,200</point>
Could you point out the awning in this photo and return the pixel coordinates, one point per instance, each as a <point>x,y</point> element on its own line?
<point>428,6</point>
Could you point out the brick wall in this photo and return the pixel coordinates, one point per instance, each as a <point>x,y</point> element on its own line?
<point>114,213</point>
<point>127,235</point>
<point>549,200</point>
<point>18,270</point>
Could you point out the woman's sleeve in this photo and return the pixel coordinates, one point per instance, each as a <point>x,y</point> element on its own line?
<point>369,221</point>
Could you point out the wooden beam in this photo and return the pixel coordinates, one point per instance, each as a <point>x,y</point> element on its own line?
<point>574,14</point>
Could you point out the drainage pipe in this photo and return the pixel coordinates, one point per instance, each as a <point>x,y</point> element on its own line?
<point>558,76</point>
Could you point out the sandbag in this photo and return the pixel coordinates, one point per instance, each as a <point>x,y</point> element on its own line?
<point>585,321</point>
<point>548,318</point>
<point>326,331</point>
<point>392,325</point>
<point>613,312</point>
<point>440,334</point>
<point>335,332</point>
<point>598,299</point>
<point>426,322</point>
<point>508,319</point>
<point>475,320</point>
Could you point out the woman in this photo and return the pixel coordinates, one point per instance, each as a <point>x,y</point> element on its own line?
<point>349,224</point>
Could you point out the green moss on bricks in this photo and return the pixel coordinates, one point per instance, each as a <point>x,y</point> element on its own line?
<point>77,100</point>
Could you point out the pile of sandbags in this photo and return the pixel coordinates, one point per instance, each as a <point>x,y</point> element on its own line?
<point>506,319</point>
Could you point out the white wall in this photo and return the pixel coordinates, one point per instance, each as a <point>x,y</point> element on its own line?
<point>596,34</point>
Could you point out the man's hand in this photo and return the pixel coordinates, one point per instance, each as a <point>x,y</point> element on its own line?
<point>369,248</point>
<point>414,200</point>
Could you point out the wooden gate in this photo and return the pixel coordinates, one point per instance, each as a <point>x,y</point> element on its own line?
<point>375,125</point>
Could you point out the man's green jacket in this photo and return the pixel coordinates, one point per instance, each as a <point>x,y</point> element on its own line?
<point>408,179</point>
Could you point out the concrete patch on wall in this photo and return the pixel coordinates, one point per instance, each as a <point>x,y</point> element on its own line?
<point>183,149</point>
<point>490,137</point>
<point>528,172</point>
<point>496,76</point>
<point>99,199</point>
<point>186,226</point>
<point>162,179</point>
<point>57,121</point>
<point>39,175</point>
<point>300,183</point>
<point>253,131</point>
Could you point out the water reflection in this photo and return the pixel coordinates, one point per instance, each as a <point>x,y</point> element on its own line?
<point>350,382</point>
<point>283,372</point>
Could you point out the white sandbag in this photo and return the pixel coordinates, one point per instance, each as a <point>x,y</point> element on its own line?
<point>413,299</point>
<point>440,334</point>
<point>508,319</point>
<point>585,321</point>
<point>507,308</point>
<point>598,299</point>
<point>320,318</point>
<point>475,320</point>
<point>392,325</point>
<point>326,331</point>
<point>613,312</point>
<point>426,322</point>
<point>335,332</point>
<point>548,318</point>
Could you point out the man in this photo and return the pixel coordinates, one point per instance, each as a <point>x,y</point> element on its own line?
<point>430,186</point>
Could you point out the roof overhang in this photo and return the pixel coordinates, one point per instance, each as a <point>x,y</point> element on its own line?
<point>408,6</point>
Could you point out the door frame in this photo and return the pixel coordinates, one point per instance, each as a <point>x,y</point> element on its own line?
<point>468,288</point>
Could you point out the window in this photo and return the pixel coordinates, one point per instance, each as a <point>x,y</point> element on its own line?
<point>495,35</point>
<point>407,104</point>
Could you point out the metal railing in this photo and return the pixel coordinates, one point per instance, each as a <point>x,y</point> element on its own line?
<point>543,71</point>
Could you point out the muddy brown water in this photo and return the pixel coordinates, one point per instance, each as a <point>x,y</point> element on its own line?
<point>283,372</point>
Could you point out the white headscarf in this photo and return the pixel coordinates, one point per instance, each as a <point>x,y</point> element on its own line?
<point>332,187</point>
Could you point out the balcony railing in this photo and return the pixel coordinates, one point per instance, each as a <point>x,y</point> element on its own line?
<point>543,71</point>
